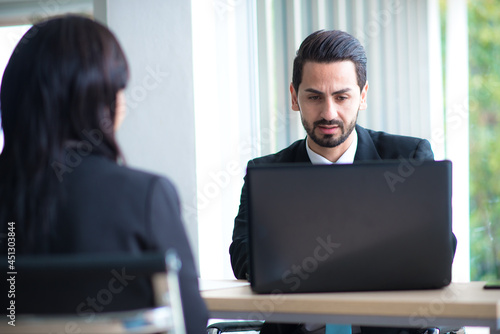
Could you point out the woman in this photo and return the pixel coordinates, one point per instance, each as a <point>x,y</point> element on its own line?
<point>60,181</point>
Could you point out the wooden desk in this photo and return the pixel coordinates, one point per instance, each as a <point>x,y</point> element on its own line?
<point>457,305</point>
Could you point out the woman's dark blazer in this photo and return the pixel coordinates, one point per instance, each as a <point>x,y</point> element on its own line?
<point>108,208</point>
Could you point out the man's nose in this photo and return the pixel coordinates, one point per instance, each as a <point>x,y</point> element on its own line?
<point>330,110</point>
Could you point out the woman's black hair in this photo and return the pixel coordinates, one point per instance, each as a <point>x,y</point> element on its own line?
<point>57,101</point>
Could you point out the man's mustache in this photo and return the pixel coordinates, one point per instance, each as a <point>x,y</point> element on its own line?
<point>323,121</point>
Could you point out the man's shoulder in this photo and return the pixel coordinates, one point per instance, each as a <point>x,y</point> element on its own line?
<point>296,152</point>
<point>381,137</point>
<point>382,145</point>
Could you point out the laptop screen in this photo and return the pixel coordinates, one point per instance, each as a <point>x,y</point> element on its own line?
<point>366,226</point>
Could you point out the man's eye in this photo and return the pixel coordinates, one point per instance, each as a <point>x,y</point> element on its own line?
<point>314,97</point>
<point>341,98</point>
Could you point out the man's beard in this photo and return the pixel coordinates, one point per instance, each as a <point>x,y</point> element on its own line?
<point>329,140</point>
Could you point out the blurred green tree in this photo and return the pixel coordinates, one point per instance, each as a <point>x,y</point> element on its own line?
<point>484,142</point>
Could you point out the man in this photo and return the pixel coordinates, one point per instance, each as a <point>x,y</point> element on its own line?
<point>329,88</point>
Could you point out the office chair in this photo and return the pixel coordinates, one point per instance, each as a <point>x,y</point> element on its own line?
<point>234,326</point>
<point>245,326</point>
<point>93,293</point>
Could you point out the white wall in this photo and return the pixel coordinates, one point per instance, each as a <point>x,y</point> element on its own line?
<point>158,133</point>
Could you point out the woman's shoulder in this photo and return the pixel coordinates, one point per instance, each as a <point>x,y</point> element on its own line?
<point>99,172</point>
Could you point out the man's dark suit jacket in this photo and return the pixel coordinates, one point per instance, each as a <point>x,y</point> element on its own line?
<point>114,209</point>
<point>372,145</point>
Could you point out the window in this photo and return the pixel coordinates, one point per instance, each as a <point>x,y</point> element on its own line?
<point>484,144</point>
<point>9,37</point>
<point>402,41</point>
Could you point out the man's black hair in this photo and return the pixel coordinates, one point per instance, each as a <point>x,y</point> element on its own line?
<point>327,46</point>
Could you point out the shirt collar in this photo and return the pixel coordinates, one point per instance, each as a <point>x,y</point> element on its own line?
<point>346,158</point>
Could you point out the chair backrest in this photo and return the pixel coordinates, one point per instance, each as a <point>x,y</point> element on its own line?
<point>87,290</point>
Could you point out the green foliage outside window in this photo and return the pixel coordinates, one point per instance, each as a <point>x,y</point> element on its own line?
<point>484,142</point>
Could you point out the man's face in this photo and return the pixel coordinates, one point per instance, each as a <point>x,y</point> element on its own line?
<point>329,99</point>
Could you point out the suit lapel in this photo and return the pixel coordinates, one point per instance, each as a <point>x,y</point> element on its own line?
<point>301,154</point>
<point>366,147</point>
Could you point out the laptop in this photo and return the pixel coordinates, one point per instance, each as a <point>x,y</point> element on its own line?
<point>360,227</point>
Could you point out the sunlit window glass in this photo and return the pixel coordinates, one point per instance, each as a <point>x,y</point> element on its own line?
<point>9,37</point>
<point>484,127</point>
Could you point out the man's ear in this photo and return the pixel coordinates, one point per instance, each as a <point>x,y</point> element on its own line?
<point>295,102</point>
<point>363,105</point>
